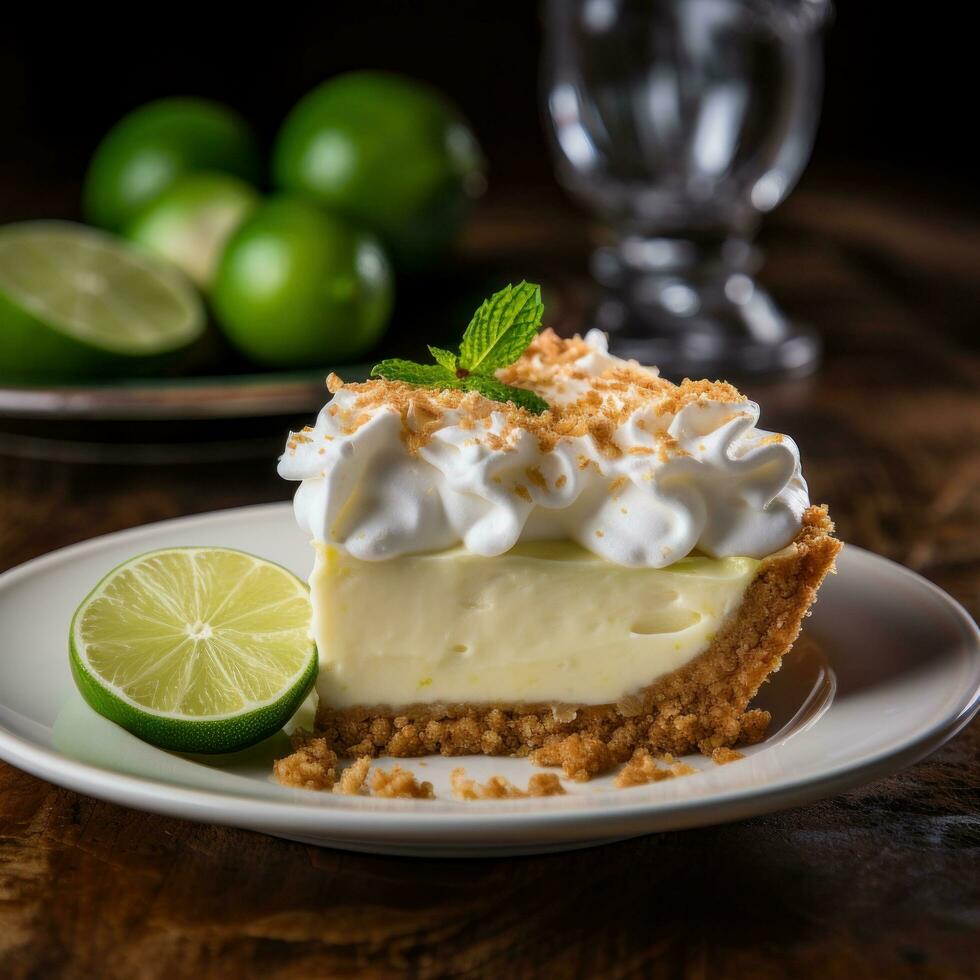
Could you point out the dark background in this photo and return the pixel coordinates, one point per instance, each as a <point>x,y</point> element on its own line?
<point>898,99</point>
<point>879,249</point>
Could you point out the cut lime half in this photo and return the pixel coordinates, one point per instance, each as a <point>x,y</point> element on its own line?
<point>195,649</point>
<point>77,302</point>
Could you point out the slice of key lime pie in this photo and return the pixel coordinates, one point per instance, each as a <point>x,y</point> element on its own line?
<point>532,538</point>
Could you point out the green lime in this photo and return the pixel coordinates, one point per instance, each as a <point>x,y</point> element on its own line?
<point>149,148</point>
<point>195,649</point>
<point>297,287</point>
<point>386,151</point>
<point>189,223</point>
<point>76,302</point>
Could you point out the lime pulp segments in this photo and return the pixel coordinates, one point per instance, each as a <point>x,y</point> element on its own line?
<point>195,649</point>
<point>74,301</point>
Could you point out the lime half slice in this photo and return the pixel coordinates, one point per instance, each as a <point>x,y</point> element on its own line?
<point>195,649</point>
<point>76,302</point>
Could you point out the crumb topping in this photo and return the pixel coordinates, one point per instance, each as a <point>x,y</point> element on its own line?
<point>312,765</point>
<point>545,784</point>
<point>523,492</point>
<point>398,783</point>
<point>352,779</point>
<point>723,755</point>
<point>501,788</point>
<point>548,367</point>
<point>535,476</point>
<point>581,757</point>
<point>643,768</point>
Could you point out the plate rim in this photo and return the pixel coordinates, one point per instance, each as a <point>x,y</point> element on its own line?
<point>407,820</point>
<point>218,396</point>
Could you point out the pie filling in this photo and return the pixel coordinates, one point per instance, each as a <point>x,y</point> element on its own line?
<point>546,622</point>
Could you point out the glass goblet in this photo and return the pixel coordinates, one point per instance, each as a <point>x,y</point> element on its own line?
<point>679,123</point>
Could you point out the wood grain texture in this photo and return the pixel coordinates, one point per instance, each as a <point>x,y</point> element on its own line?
<point>880,882</point>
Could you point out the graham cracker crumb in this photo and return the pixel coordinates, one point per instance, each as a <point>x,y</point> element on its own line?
<point>754,725</point>
<point>313,765</point>
<point>643,768</point>
<point>640,770</point>
<point>617,485</point>
<point>501,788</point>
<point>581,757</point>
<point>535,476</point>
<point>723,755</point>
<point>545,784</point>
<point>495,788</point>
<point>400,783</point>
<point>352,779</point>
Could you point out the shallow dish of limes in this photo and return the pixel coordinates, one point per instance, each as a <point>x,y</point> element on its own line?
<point>207,282</point>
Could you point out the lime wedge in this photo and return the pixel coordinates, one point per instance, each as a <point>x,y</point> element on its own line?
<point>195,649</point>
<point>76,302</point>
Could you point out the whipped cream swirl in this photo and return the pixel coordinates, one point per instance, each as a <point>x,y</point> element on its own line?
<point>674,476</point>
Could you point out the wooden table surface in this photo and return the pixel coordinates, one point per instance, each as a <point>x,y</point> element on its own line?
<point>880,882</point>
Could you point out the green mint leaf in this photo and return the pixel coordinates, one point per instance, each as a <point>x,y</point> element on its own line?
<point>501,329</point>
<point>427,375</point>
<point>497,391</point>
<point>498,334</point>
<point>444,357</point>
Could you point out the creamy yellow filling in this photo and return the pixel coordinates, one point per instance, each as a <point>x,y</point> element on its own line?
<point>547,621</point>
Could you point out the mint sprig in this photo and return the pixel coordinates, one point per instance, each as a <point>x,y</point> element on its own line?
<point>426,375</point>
<point>501,329</point>
<point>497,336</point>
<point>445,358</point>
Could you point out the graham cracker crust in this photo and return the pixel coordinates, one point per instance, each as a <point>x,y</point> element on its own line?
<point>703,705</point>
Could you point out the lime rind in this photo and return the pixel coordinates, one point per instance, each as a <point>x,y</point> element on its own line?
<point>199,737</point>
<point>106,629</point>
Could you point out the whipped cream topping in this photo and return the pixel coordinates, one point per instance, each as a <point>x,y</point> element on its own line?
<point>635,469</point>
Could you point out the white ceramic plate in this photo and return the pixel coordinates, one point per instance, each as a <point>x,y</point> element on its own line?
<point>888,670</point>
